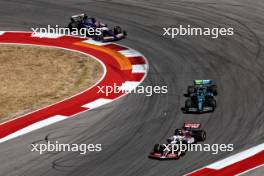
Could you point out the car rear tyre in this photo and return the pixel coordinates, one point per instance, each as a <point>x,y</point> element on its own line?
<point>213,89</point>
<point>117,30</point>
<point>200,135</point>
<point>99,37</point>
<point>212,103</point>
<point>74,24</point>
<point>125,33</point>
<point>188,103</point>
<point>157,148</point>
<point>190,90</point>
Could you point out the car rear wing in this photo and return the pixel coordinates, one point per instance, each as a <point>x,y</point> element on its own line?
<point>77,17</point>
<point>203,82</point>
<point>191,125</point>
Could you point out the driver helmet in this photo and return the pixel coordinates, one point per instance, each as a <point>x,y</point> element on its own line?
<point>179,132</point>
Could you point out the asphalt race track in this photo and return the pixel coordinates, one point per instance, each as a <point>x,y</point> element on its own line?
<point>129,127</point>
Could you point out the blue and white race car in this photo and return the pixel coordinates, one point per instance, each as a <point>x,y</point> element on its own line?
<point>95,29</point>
<point>201,97</point>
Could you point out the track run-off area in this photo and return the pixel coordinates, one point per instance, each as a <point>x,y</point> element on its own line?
<point>123,67</point>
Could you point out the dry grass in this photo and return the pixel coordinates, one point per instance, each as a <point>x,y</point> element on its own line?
<point>32,77</point>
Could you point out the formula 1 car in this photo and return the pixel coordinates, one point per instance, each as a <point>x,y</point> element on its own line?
<point>102,32</point>
<point>201,97</point>
<point>190,133</point>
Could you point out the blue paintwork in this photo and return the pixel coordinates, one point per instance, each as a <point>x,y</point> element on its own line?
<point>200,93</point>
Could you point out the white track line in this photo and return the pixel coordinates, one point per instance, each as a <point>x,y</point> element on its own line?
<point>130,53</point>
<point>237,157</point>
<point>97,103</point>
<point>34,126</point>
<point>46,35</point>
<point>142,68</point>
<point>93,42</point>
<point>129,85</point>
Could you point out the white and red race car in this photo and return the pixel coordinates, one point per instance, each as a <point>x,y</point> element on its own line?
<point>190,133</point>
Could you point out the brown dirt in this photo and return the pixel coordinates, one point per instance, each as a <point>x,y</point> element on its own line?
<point>33,77</point>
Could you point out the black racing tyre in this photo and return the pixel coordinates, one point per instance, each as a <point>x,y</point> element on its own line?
<point>125,33</point>
<point>190,90</point>
<point>95,37</point>
<point>183,153</point>
<point>188,103</point>
<point>99,37</point>
<point>156,148</point>
<point>162,148</point>
<point>74,24</point>
<point>212,102</point>
<point>117,30</point>
<point>199,135</point>
<point>70,26</point>
<point>213,89</point>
